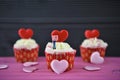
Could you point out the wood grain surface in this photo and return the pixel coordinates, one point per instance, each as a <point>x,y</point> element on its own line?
<point>110,70</point>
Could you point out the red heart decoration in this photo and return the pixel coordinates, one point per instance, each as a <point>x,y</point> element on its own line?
<point>25,33</point>
<point>92,33</point>
<point>62,35</point>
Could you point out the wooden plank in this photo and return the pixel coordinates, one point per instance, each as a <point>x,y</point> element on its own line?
<point>110,70</point>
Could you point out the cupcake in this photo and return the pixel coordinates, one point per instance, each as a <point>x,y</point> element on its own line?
<point>26,49</point>
<point>59,50</point>
<point>92,44</point>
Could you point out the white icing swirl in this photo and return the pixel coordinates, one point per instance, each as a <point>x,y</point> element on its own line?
<point>61,47</point>
<point>94,43</point>
<point>25,43</point>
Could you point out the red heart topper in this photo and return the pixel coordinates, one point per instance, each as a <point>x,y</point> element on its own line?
<point>92,33</point>
<point>25,33</point>
<point>62,35</point>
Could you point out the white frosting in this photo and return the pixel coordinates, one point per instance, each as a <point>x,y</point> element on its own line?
<point>25,43</point>
<point>60,47</point>
<point>94,43</point>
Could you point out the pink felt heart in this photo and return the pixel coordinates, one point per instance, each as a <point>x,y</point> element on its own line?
<point>29,69</point>
<point>92,68</point>
<point>27,64</point>
<point>96,58</point>
<point>3,66</point>
<point>59,66</point>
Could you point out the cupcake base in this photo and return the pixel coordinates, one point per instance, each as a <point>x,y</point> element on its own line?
<point>69,56</point>
<point>25,55</point>
<point>86,52</point>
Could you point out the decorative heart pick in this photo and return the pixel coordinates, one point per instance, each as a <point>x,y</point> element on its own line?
<point>96,58</point>
<point>91,68</point>
<point>25,33</point>
<point>27,64</point>
<point>62,35</point>
<point>59,66</point>
<point>92,33</point>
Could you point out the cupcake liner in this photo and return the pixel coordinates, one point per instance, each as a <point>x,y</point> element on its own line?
<point>69,56</point>
<point>25,55</point>
<point>86,52</point>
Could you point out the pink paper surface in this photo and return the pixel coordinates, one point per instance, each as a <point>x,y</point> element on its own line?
<point>110,70</point>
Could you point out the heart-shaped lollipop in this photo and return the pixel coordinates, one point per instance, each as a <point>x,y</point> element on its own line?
<point>59,66</point>
<point>92,33</point>
<point>96,58</point>
<point>25,33</point>
<point>62,35</point>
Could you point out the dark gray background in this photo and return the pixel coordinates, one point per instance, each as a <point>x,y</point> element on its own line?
<point>74,15</point>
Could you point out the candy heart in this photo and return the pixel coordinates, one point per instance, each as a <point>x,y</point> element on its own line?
<point>29,69</point>
<point>25,33</point>
<point>91,68</point>
<point>3,66</point>
<point>27,64</point>
<point>59,66</point>
<point>92,33</point>
<point>62,35</point>
<point>96,58</point>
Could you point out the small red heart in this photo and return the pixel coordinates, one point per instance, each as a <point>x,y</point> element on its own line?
<point>25,33</point>
<point>92,33</point>
<point>62,35</point>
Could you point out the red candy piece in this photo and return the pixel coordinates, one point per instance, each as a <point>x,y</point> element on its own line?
<point>62,35</point>
<point>92,33</point>
<point>25,33</point>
